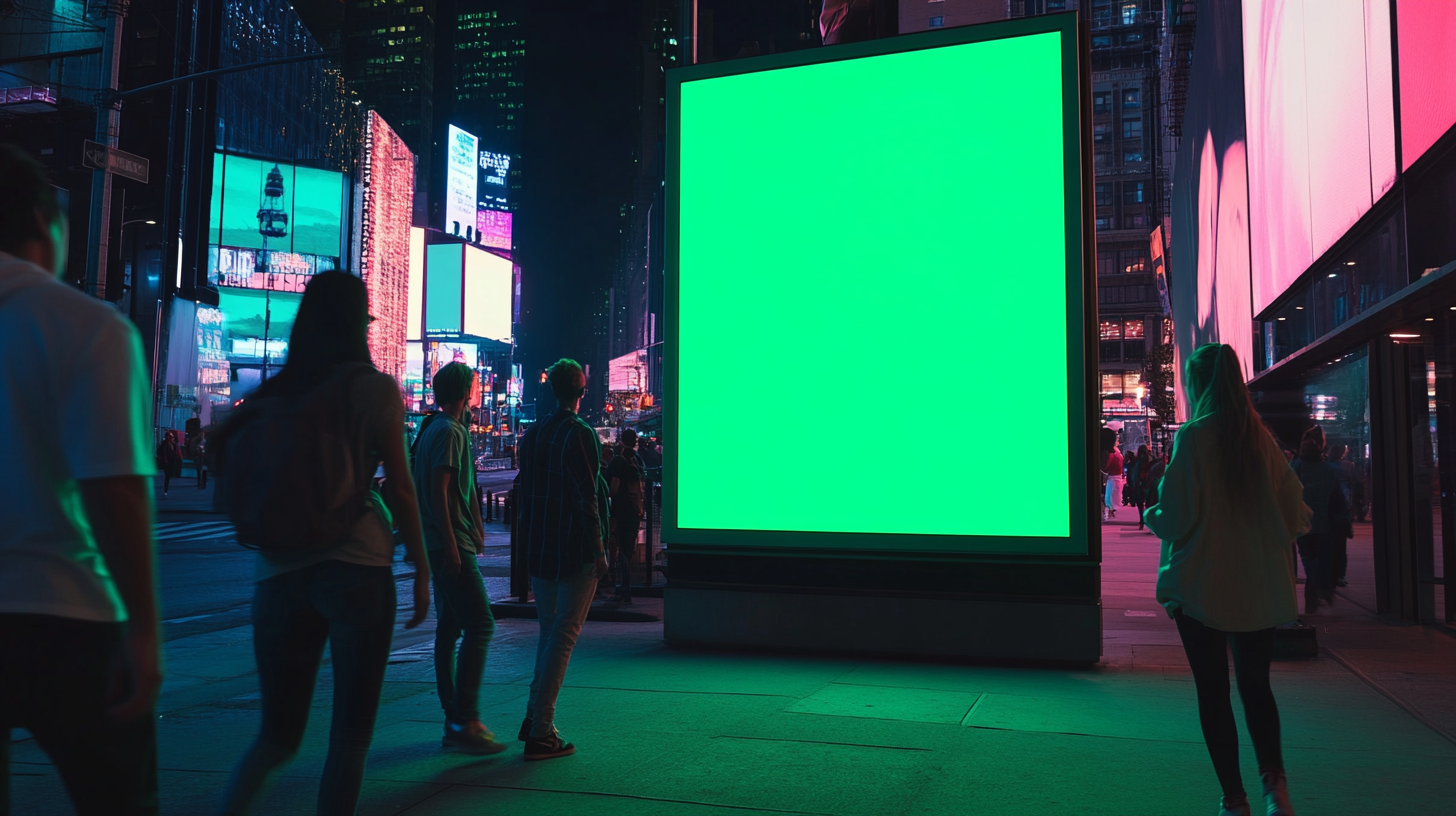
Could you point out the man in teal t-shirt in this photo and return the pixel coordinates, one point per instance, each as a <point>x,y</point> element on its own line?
<point>444,472</point>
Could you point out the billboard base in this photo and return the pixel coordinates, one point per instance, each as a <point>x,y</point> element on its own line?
<point>885,624</point>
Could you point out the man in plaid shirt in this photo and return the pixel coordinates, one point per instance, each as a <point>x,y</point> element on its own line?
<point>562,519</point>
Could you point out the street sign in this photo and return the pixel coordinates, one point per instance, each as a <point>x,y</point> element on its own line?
<point>120,162</point>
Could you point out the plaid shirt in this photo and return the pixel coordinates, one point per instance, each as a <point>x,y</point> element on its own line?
<point>562,497</point>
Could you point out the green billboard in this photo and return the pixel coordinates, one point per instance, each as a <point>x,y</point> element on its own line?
<point>876,285</point>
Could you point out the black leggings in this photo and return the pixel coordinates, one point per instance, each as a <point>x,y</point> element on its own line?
<point>1207,651</point>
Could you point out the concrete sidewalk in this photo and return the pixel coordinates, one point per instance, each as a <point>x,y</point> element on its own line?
<point>1367,725</point>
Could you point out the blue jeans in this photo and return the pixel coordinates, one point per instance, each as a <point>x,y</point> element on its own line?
<point>352,608</point>
<point>561,607</point>
<point>462,612</point>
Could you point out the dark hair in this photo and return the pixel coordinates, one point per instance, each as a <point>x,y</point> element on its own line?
<point>452,383</point>
<point>332,328</point>
<point>27,193</point>
<point>1312,445</point>
<point>1218,396</point>
<point>629,438</point>
<point>568,380</point>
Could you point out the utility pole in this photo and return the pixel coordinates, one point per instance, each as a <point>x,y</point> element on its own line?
<point>108,121</point>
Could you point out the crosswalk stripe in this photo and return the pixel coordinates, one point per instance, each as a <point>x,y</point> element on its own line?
<point>173,531</point>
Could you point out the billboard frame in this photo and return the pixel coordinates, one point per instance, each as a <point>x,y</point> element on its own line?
<point>809,576</point>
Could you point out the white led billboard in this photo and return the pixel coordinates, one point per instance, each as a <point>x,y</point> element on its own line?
<point>487,295</point>
<point>460,181</point>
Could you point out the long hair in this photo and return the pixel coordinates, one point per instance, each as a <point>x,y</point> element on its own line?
<point>332,327</point>
<point>1218,397</point>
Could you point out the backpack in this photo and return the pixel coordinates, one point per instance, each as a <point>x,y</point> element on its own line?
<point>295,476</point>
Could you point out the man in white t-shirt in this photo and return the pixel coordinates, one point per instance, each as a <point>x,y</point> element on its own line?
<point>80,657</point>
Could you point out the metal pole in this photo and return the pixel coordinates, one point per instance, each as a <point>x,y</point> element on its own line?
<point>108,121</point>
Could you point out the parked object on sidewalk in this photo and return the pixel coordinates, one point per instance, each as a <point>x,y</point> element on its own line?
<point>340,592</point>
<point>80,653</point>
<point>1228,507</point>
<point>454,534</point>
<point>562,520</point>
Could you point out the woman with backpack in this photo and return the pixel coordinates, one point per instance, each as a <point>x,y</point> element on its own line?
<point>299,459</point>
<point>1227,509</point>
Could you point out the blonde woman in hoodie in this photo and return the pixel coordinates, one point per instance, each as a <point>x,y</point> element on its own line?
<point>1228,508</point>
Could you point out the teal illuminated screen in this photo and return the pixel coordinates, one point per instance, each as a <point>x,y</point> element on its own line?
<point>878,303</point>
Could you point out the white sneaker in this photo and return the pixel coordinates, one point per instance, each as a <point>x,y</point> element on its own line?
<point>1276,794</point>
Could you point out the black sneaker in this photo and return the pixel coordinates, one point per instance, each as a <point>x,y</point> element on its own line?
<point>471,738</point>
<point>525,733</point>
<point>548,747</point>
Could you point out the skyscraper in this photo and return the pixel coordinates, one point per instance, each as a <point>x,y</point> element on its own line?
<point>389,59</point>
<point>482,66</point>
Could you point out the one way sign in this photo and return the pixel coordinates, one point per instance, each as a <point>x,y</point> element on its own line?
<point>126,165</point>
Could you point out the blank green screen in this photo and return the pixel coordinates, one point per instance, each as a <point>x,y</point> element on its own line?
<point>872,301</point>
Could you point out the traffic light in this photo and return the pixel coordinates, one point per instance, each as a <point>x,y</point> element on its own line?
<point>610,408</point>
<point>543,376</point>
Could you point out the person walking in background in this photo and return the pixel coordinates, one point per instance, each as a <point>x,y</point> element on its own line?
<point>1138,482</point>
<point>341,591</point>
<point>1331,520</point>
<point>1227,508</point>
<point>1129,476</point>
<point>1112,468</point>
<point>195,447</point>
<point>80,646</point>
<point>1354,491</point>
<point>169,460</point>
<point>624,485</point>
<point>1152,481</point>
<point>562,521</point>
<point>450,509</point>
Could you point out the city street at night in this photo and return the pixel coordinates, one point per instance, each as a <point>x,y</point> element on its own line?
<point>686,731</point>
<point>807,407</point>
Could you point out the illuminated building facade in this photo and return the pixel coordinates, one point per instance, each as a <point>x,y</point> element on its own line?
<point>385,193</point>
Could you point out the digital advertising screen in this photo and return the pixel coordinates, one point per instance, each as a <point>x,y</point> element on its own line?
<point>1319,101</point>
<point>299,208</point>
<point>973,249</point>
<point>628,372</point>
<point>460,181</point>
<point>493,176</point>
<point>1427,44</point>
<point>416,300</point>
<point>493,228</point>
<point>487,295</point>
<point>252,319</point>
<point>444,278</point>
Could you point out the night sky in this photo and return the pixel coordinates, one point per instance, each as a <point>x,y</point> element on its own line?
<point>580,124</point>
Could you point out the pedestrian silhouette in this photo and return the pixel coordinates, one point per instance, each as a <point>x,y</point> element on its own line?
<point>328,417</point>
<point>1227,509</point>
<point>450,508</point>
<point>563,522</point>
<point>80,654</point>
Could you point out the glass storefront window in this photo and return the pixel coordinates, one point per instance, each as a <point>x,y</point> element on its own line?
<point>1110,329</point>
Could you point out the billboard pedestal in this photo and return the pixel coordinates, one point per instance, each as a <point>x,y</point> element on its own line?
<point>888,624</point>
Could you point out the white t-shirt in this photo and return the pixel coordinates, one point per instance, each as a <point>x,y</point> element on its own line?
<point>75,404</point>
